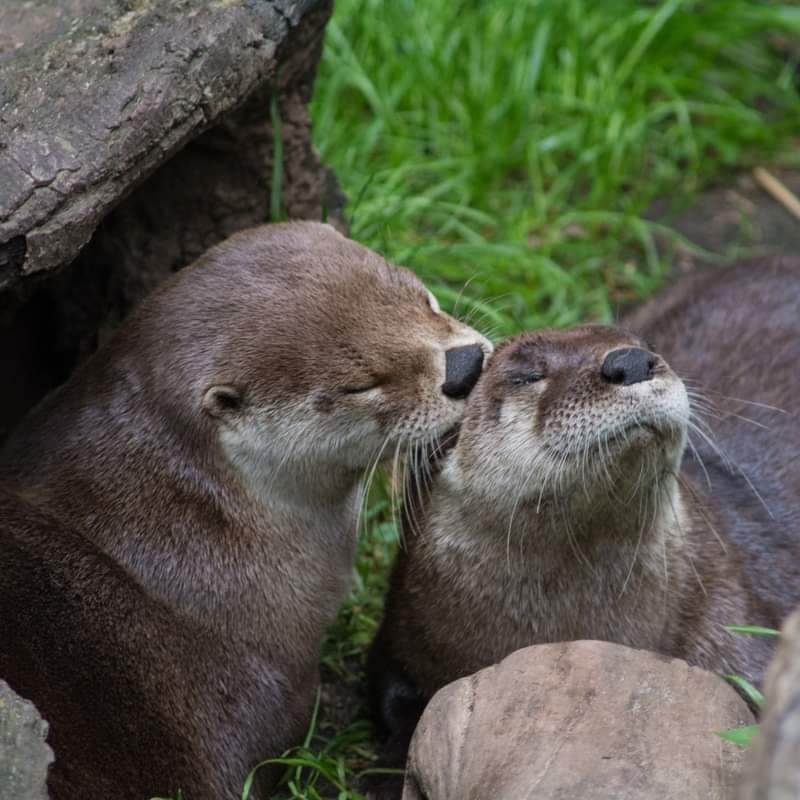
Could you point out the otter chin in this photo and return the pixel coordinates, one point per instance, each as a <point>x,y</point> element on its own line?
<point>637,488</point>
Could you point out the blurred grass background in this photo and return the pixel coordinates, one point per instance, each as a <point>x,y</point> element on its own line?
<point>516,146</point>
<point>509,153</point>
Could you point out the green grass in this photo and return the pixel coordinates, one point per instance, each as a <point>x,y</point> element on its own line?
<point>518,145</point>
<point>509,152</point>
<point>743,736</point>
<point>323,766</point>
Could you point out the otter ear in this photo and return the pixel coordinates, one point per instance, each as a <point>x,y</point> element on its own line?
<point>222,402</point>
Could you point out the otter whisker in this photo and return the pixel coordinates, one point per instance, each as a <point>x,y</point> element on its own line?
<point>613,475</point>
<point>491,302</point>
<point>486,308</point>
<point>707,411</point>
<point>409,491</point>
<point>638,545</point>
<point>688,553</point>
<point>511,519</point>
<point>638,482</point>
<point>419,476</point>
<point>721,414</point>
<point>431,455</point>
<point>545,480</point>
<point>700,507</point>
<point>367,485</point>
<point>701,423</point>
<point>572,539</point>
<point>755,491</point>
<point>583,462</point>
<point>397,476</point>
<point>422,469</point>
<point>460,294</point>
<point>732,465</point>
<point>660,494</point>
<point>608,465</point>
<point>562,471</point>
<point>700,461</point>
<point>413,487</point>
<point>694,425</point>
<point>698,404</point>
<point>766,406</point>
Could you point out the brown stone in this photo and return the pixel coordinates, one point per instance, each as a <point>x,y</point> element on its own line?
<point>773,763</point>
<point>574,721</point>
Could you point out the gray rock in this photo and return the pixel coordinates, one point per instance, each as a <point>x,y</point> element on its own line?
<point>773,762</point>
<point>133,136</point>
<point>574,721</point>
<point>24,753</point>
<point>96,94</point>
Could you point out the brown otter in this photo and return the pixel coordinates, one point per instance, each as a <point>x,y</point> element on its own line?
<point>178,521</point>
<point>569,509</point>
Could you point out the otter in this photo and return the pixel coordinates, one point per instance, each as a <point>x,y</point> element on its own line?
<point>591,493</point>
<point>178,521</point>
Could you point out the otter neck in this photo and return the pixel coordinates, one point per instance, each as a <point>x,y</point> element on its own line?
<point>563,573</point>
<point>595,526</point>
<point>274,479</point>
<point>187,532</point>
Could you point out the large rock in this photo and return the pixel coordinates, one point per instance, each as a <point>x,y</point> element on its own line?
<point>773,764</point>
<point>24,753</point>
<point>134,135</point>
<point>574,721</point>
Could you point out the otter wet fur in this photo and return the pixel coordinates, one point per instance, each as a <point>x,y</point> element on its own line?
<point>178,521</point>
<point>593,494</point>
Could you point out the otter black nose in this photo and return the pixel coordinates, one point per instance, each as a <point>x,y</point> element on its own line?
<point>462,368</point>
<point>628,365</point>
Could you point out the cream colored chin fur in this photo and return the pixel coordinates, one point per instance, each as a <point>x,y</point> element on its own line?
<point>516,460</point>
<point>279,451</point>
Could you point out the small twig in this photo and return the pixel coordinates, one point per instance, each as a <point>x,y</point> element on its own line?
<point>779,191</point>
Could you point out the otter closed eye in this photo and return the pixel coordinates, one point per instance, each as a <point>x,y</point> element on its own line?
<point>367,387</point>
<point>524,380</point>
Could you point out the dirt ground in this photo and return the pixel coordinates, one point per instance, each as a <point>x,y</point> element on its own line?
<point>740,218</point>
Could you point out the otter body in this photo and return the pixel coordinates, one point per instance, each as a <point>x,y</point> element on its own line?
<point>178,521</point>
<point>570,506</point>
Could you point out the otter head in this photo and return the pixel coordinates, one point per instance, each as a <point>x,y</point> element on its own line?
<point>572,417</point>
<point>312,355</point>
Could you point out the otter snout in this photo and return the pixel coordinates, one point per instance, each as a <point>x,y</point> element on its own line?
<point>628,365</point>
<point>463,367</point>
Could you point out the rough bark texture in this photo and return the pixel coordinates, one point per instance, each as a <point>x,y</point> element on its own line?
<point>134,134</point>
<point>24,753</point>
<point>773,764</point>
<point>578,720</point>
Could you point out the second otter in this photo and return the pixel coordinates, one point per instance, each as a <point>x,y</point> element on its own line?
<point>567,510</point>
